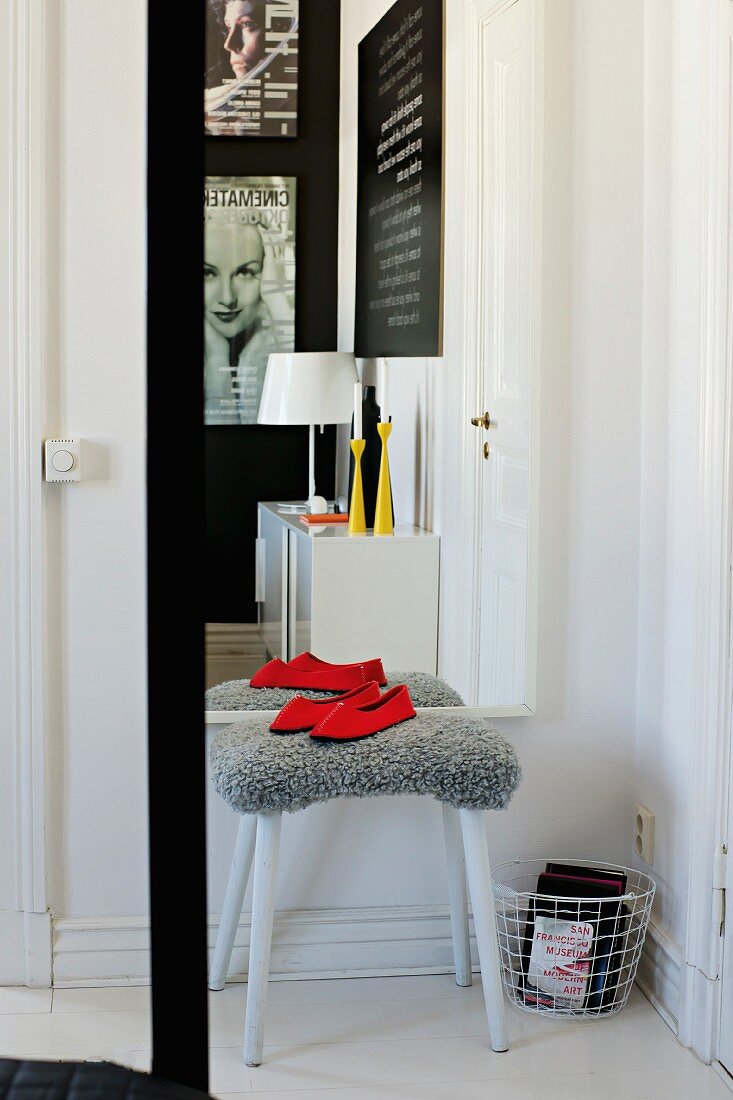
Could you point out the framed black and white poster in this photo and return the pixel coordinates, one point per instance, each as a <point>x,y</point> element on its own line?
<point>249,289</point>
<point>251,80</point>
<point>399,268</point>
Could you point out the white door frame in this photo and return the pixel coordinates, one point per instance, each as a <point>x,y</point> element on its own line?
<point>479,13</point>
<point>710,732</point>
<point>27,29</point>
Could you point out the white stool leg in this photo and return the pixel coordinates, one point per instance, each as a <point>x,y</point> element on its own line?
<point>484,919</point>
<point>456,864</point>
<point>263,911</point>
<point>233,900</point>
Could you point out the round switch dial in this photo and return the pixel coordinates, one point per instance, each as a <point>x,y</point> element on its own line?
<point>62,461</point>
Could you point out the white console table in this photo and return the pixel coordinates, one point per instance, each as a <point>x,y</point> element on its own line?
<point>345,597</point>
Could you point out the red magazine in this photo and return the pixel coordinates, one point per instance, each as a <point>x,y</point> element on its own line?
<point>328,517</point>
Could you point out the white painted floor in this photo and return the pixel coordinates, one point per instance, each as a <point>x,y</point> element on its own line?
<point>377,1039</point>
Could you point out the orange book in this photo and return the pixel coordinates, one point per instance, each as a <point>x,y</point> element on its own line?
<point>328,517</point>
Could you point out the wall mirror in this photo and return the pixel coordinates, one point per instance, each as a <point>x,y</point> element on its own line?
<point>448,601</point>
<point>452,593</point>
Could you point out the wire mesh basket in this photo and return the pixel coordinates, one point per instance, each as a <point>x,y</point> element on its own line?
<point>567,956</point>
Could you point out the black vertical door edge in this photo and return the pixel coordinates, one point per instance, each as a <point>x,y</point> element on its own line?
<point>175,518</point>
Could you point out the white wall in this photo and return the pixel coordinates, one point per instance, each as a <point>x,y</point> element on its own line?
<point>622,305</point>
<point>577,751</point>
<point>670,438</point>
<point>612,630</point>
<point>97,823</point>
<point>661,755</point>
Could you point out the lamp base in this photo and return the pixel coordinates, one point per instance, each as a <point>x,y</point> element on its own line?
<point>315,505</point>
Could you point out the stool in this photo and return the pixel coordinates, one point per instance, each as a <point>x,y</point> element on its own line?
<point>461,762</point>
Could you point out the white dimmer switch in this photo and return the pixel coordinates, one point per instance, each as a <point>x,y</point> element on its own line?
<point>63,460</point>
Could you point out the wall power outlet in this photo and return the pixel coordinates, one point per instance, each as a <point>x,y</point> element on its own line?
<point>644,839</point>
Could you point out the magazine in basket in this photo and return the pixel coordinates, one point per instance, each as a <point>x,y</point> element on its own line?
<point>571,950</point>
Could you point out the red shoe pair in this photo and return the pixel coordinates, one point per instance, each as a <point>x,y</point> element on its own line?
<point>359,713</point>
<point>309,671</point>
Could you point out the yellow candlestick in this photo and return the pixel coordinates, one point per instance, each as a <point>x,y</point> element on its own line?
<point>383,513</point>
<point>357,516</point>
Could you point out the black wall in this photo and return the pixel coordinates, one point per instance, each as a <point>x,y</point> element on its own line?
<point>248,463</point>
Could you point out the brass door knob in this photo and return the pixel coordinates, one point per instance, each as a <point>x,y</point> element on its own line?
<point>481,421</point>
<point>487,450</point>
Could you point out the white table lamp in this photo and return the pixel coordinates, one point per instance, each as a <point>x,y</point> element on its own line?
<point>308,387</point>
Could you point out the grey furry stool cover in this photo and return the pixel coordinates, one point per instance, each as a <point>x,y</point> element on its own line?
<point>458,760</point>
<point>425,691</point>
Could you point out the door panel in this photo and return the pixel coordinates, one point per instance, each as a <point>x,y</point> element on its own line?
<point>506,256</point>
<point>725,1047</point>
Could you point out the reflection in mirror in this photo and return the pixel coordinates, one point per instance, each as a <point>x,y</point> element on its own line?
<point>409,592</point>
<point>449,591</point>
<point>344,599</point>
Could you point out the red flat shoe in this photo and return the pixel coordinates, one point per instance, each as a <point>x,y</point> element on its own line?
<point>276,674</point>
<point>349,723</point>
<point>309,662</point>
<point>303,714</point>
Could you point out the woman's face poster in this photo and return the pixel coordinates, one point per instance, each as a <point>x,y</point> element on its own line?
<point>249,289</point>
<point>251,80</point>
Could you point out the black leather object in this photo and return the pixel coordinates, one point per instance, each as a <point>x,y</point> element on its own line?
<point>84,1081</point>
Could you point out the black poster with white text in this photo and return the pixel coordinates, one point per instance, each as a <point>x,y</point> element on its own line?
<point>400,176</point>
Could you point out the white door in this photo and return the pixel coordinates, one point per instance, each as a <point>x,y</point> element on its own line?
<point>725,1033</point>
<point>725,1045</point>
<point>506,76</point>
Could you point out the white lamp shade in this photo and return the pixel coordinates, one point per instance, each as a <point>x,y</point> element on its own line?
<point>314,387</point>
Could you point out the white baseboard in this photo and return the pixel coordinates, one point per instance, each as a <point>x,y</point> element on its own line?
<point>101,951</point>
<point>723,1074</point>
<point>660,974</point>
<point>329,943</point>
<point>25,948</point>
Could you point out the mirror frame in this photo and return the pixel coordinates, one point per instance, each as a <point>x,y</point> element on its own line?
<point>175,525</point>
<point>216,720</point>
